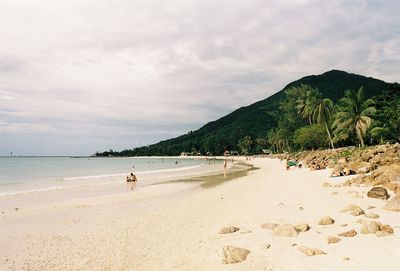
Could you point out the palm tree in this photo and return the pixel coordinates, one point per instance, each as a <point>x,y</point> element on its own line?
<point>322,113</point>
<point>306,102</point>
<point>354,116</point>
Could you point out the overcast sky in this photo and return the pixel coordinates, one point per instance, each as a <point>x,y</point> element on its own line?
<point>77,76</point>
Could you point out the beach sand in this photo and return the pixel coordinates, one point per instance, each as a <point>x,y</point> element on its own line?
<point>175,226</point>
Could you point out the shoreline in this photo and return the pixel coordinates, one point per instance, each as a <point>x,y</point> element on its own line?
<point>175,226</point>
<point>114,185</point>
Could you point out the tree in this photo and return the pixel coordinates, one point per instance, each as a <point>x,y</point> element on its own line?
<point>310,137</point>
<point>354,116</point>
<point>245,145</point>
<point>322,113</point>
<point>388,107</point>
<point>306,101</point>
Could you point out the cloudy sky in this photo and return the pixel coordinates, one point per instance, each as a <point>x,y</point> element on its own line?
<point>77,76</point>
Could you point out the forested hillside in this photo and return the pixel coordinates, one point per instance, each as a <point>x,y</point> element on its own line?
<point>247,128</point>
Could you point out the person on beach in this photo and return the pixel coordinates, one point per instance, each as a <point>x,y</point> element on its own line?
<point>131,181</point>
<point>132,177</point>
<point>225,164</point>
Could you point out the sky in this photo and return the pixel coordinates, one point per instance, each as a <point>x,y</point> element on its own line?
<point>80,76</point>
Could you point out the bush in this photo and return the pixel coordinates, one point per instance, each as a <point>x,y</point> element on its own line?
<point>311,137</point>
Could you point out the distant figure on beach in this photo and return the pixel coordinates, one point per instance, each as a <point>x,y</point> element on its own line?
<point>131,181</point>
<point>225,164</point>
<point>176,162</point>
<point>131,178</point>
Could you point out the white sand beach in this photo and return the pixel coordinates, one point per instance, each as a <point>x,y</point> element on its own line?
<point>175,226</point>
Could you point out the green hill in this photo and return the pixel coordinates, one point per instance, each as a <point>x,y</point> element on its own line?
<point>256,119</point>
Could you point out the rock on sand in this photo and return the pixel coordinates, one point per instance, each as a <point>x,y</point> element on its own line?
<point>351,233</point>
<point>311,251</point>
<point>287,230</point>
<point>326,220</point>
<point>234,254</point>
<point>393,204</point>
<point>333,239</point>
<point>354,210</point>
<point>228,230</point>
<point>378,193</point>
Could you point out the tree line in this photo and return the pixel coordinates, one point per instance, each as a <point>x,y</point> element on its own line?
<point>310,121</point>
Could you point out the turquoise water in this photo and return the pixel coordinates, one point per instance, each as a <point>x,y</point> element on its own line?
<point>27,173</point>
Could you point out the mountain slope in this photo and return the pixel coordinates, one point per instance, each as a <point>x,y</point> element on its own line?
<point>258,118</point>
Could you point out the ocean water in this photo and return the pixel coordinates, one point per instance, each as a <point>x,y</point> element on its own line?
<point>22,174</point>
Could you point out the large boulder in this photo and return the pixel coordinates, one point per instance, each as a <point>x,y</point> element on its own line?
<point>389,172</point>
<point>378,193</point>
<point>234,254</point>
<point>393,204</point>
<point>360,167</point>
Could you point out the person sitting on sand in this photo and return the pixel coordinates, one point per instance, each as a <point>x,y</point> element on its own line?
<point>131,178</point>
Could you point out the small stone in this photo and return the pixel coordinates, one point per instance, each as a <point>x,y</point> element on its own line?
<point>245,232</point>
<point>326,184</point>
<point>335,193</point>
<point>343,225</point>
<point>393,204</point>
<point>267,246</point>
<point>302,227</point>
<point>346,259</point>
<point>326,220</point>
<point>269,226</point>
<point>311,251</point>
<point>354,210</point>
<point>387,228</point>
<point>351,233</point>
<point>234,254</point>
<point>301,208</point>
<point>370,227</point>
<point>333,239</point>
<point>378,193</point>
<point>371,215</point>
<point>370,207</point>
<point>286,230</point>
<point>228,230</point>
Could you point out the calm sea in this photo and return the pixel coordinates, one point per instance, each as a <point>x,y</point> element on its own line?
<point>18,174</point>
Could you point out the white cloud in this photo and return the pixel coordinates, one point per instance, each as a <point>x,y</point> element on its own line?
<point>85,74</point>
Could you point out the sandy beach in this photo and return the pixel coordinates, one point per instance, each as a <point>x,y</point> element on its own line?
<point>176,226</point>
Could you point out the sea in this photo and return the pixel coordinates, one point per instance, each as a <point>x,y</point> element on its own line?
<point>27,174</point>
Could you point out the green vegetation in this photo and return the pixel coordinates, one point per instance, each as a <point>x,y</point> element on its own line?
<point>311,137</point>
<point>354,116</point>
<point>313,112</point>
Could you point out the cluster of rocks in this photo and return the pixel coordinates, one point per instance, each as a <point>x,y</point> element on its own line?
<point>376,165</point>
<point>233,254</point>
